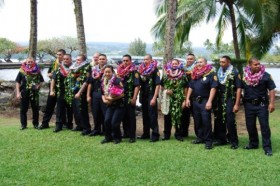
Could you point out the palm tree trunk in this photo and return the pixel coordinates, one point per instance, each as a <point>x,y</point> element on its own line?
<point>33,29</point>
<point>170,30</point>
<point>234,30</point>
<point>80,26</point>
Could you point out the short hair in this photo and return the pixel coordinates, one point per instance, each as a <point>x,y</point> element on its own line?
<point>150,56</point>
<point>62,51</point>
<point>227,57</point>
<point>174,59</point>
<point>69,55</point>
<point>191,54</point>
<point>253,59</point>
<point>83,56</point>
<point>127,55</point>
<point>104,55</point>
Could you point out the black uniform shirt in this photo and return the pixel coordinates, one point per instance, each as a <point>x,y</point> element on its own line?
<point>147,87</point>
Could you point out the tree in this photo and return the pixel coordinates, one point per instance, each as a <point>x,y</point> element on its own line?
<point>33,29</point>
<point>223,49</point>
<point>242,15</point>
<point>137,47</point>
<point>8,48</point>
<point>78,10</point>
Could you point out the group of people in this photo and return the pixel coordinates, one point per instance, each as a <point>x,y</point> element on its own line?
<point>196,89</point>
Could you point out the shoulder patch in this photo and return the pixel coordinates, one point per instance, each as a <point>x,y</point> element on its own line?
<point>239,76</point>
<point>158,73</point>
<point>215,78</point>
<point>136,75</point>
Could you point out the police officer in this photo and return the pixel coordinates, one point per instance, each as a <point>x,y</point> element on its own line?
<point>259,98</point>
<point>150,85</point>
<point>28,83</point>
<point>203,88</point>
<point>130,77</point>
<point>51,100</point>
<point>227,103</point>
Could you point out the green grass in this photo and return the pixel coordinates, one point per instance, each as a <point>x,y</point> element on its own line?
<point>33,157</point>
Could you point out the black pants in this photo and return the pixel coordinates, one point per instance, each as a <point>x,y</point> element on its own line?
<point>34,101</point>
<point>225,124</point>
<point>186,120</point>
<point>252,112</point>
<point>129,121</point>
<point>113,118</point>
<point>51,102</point>
<point>168,127</point>
<point>202,122</point>
<point>64,114</point>
<point>150,117</point>
<point>98,109</point>
<point>80,110</point>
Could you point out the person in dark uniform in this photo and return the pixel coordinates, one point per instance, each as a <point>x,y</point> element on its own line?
<point>94,95</point>
<point>150,85</point>
<point>187,112</point>
<point>131,80</point>
<point>75,93</point>
<point>259,101</point>
<point>28,83</point>
<point>174,85</point>
<point>227,103</point>
<point>202,88</point>
<point>58,89</point>
<point>113,97</point>
<point>51,100</point>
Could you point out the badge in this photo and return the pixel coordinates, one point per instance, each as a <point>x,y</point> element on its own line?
<point>158,74</point>
<point>204,78</point>
<point>239,77</point>
<point>215,78</point>
<point>136,75</point>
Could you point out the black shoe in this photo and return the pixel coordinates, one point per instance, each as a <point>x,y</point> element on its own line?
<point>69,127</point>
<point>268,153</point>
<point>179,138</point>
<point>36,127</point>
<point>132,140</point>
<point>249,147</point>
<point>220,143</point>
<point>23,128</point>
<point>117,141</point>
<point>197,141</point>
<point>77,129</point>
<point>208,147</point>
<point>105,141</point>
<point>234,146</point>
<point>165,138</point>
<point>41,127</point>
<point>94,133</point>
<point>125,136</point>
<point>144,136</point>
<point>85,132</point>
<point>154,140</point>
<point>57,130</point>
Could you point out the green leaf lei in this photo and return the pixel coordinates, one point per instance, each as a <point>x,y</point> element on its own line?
<point>31,81</point>
<point>130,87</point>
<point>176,99</point>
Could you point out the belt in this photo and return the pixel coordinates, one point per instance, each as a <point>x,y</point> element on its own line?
<point>198,99</point>
<point>256,101</point>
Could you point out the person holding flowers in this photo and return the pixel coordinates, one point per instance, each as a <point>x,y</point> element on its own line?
<point>175,85</point>
<point>28,83</point>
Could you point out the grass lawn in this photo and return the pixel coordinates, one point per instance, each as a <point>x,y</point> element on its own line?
<point>33,157</point>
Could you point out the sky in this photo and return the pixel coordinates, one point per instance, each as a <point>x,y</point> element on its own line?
<point>104,21</point>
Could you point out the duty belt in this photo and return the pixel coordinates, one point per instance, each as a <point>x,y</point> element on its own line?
<point>198,99</point>
<point>256,101</point>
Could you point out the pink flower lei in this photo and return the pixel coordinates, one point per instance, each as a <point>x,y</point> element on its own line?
<point>97,72</point>
<point>253,79</point>
<point>198,73</point>
<point>123,70</point>
<point>174,72</point>
<point>146,70</point>
<point>32,69</point>
<point>109,88</point>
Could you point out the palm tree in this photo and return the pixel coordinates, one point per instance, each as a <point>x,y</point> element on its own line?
<point>33,29</point>
<point>78,10</point>
<point>237,13</point>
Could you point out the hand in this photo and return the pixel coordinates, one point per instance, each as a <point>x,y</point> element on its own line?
<point>235,108</point>
<point>169,92</point>
<point>153,102</point>
<point>271,107</point>
<point>50,75</point>
<point>183,104</point>
<point>88,99</point>
<point>133,102</point>
<point>78,95</point>
<point>208,105</point>
<point>52,93</point>
<point>188,103</point>
<point>19,96</point>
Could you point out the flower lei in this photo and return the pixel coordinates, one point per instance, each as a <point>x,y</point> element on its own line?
<point>147,70</point>
<point>174,72</point>
<point>109,88</point>
<point>253,79</point>
<point>74,80</point>
<point>175,83</point>
<point>31,73</point>
<point>97,72</point>
<point>64,71</point>
<point>205,70</point>
<point>226,79</point>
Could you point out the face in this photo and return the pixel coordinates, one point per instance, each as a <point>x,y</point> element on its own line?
<point>102,60</point>
<point>29,61</point>
<point>174,64</point>
<point>79,59</point>
<point>255,66</point>
<point>126,61</point>
<point>95,58</point>
<point>108,73</point>
<point>67,61</point>
<point>59,55</point>
<point>190,60</point>
<point>201,63</point>
<point>224,63</point>
<point>147,59</point>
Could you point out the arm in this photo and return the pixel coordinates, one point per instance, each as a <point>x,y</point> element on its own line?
<point>189,93</point>
<point>18,94</point>
<point>52,88</point>
<point>185,93</point>
<point>78,95</point>
<point>154,99</point>
<point>237,100</point>
<point>208,105</point>
<point>271,106</point>
<point>135,94</point>
<point>88,93</point>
